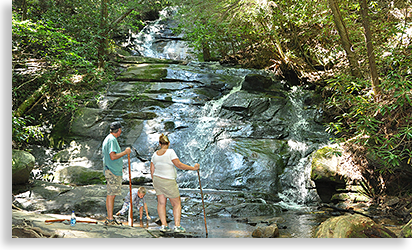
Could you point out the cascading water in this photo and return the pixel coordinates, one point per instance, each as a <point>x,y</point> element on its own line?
<point>158,41</point>
<point>231,156</point>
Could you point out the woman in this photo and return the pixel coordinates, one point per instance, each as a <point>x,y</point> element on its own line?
<point>164,181</point>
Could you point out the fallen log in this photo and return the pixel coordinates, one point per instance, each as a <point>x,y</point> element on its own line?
<point>352,211</point>
<point>77,221</point>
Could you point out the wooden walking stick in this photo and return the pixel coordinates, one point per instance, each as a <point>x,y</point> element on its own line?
<point>131,196</point>
<point>203,202</point>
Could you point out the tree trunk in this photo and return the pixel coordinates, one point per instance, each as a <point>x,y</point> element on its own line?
<point>344,37</point>
<point>369,45</point>
<point>29,101</point>
<point>24,10</point>
<point>101,52</point>
<point>206,52</point>
<point>123,16</point>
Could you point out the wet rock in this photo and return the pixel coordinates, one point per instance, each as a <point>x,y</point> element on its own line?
<point>253,209</point>
<point>256,82</point>
<point>239,101</point>
<point>22,165</point>
<point>271,231</point>
<point>352,226</point>
<point>147,72</point>
<point>255,107</point>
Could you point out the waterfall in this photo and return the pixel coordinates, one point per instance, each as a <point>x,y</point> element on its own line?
<point>231,156</point>
<point>157,40</point>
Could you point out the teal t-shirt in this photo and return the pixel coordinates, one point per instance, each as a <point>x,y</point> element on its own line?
<point>110,144</point>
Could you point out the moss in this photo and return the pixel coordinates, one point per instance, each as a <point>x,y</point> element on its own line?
<point>169,125</point>
<point>80,176</point>
<point>145,72</point>
<point>324,165</point>
<point>352,226</point>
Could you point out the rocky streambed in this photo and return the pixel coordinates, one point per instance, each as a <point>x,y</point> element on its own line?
<point>229,214</point>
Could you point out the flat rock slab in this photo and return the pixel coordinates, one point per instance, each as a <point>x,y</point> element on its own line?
<point>25,219</point>
<point>159,234</point>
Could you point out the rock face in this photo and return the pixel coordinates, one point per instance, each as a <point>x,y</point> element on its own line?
<point>352,226</point>
<point>22,164</point>
<point>80,176</point>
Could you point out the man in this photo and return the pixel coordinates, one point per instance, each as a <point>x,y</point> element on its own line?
<point>113,168</point>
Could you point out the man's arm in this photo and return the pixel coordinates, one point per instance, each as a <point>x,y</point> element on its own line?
<point>115,156</point>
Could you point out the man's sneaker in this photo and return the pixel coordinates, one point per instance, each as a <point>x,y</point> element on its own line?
<point>179,229</point>
<point>164,228</point>
<point>113,222</point>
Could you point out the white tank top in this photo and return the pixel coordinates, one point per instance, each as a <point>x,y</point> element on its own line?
<point>163,164</point>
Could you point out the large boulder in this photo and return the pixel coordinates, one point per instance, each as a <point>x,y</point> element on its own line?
<point>325,166</point>
<point>332,171</point>
<point>256,82</point>
<point>80,176</point>
<point>352,226</point>
<point>22,165</point>
<point>271,231</point>
<point>89,122</point>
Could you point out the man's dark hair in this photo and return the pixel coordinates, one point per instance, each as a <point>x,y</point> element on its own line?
<point>115,126</point>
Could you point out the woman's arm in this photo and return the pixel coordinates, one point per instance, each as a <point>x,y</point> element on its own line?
<point>151,169</point>
<point>183,166</point>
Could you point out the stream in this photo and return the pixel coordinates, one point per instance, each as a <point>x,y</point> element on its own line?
<point>251,133</point>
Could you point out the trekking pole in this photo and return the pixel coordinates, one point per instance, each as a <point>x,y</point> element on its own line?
<point>203,202</point>
<point>131,198</point>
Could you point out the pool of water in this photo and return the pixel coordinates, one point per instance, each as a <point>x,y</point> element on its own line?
<point>294,221</point>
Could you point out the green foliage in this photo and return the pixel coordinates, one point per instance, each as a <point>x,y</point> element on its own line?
<point>261,33</point>
<point>22,133</point>
<point>383,129</point>
<point>42,40</point>
<point>55,49</point>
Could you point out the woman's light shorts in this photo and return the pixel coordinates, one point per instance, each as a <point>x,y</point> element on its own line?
<point>167,187</point>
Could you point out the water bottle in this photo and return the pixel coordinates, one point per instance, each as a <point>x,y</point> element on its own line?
<point>73,219</point>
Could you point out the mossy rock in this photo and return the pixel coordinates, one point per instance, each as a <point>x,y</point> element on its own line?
<point>144,72</point>
<point>22,164</point>
<point>352,226</point>
<point>325,166</point>
<point>80,176</point>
